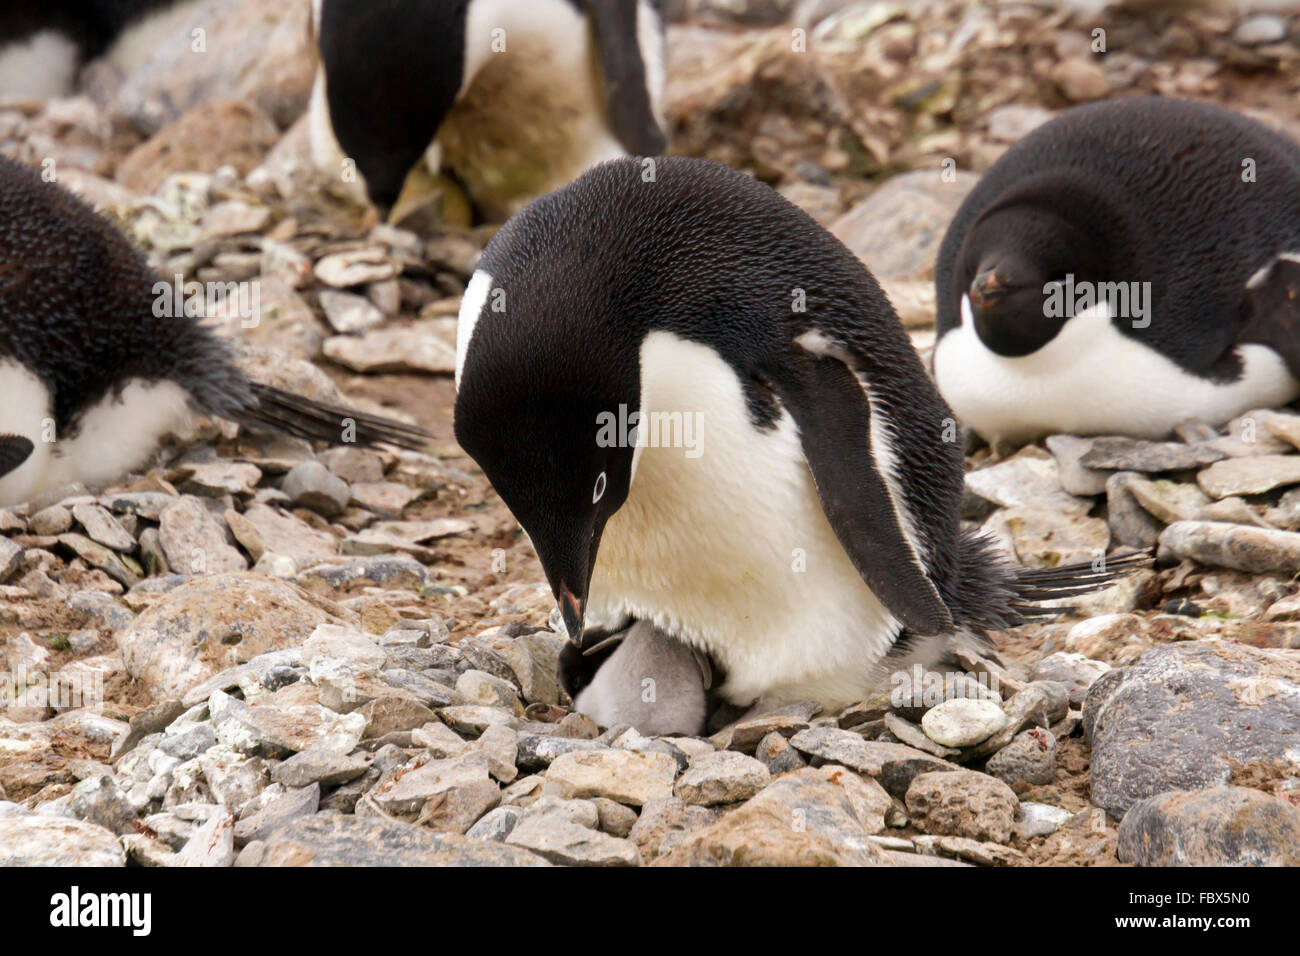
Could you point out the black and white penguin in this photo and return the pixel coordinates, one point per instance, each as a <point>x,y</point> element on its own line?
<point>1114,273</point>
<point>93,372</point>
<point>788,503</point>
<point>44,45</point>
<point>512,99</point>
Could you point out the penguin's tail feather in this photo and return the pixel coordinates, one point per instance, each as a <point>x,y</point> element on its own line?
<point>997,595</point>
<point>277,410</point>
<point>1035,586</point>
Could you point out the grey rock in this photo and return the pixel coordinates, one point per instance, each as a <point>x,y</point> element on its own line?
<point>1074,672</point>
<point>1253,550</point>
<point>1190,716</point>
<point>1076,478</point>
<point>1220,826</point>
<point>387,570</point>
<point>1130,524</point>
<point>496,825</point>
<point>553,834</point>
<point>31,840</point>
<point>1028,761</point>
<point>665,822</point>
<point>55,519</point>
<point>724,776</point>
<point>98,556</point>
<point>193,541</point>
<point>962,803</point>
<point>1249,476</point>
<point>310,485</point>
<point>1028,479</point>
<point>337,840</point>
<point>188,742</point>
<point>627,776</point>
<point>536,751</point>
<point>279,811</point>
<point>775,753</point>
<point>895,765</point>
<point>323,767</point>
<point>99,799</point>
<point>348,313</point>
<point>1147,457</point>
<point>449,795</point>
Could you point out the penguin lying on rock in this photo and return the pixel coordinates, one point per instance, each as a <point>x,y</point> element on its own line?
<point>44,45</point>
<point>92,375</point>
<point>706,415</point>
<point>1128,266</point>
<point>513,99</point>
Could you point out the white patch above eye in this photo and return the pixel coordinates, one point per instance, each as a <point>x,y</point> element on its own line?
<point>1092,379</point>
<point>599,493</point>
<point>471,308</point>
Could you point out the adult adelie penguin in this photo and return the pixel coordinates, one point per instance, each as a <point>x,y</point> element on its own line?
<point>1128,266</point>
<point>513,99</point>
<point>92,376</point>
<point>788,504</point>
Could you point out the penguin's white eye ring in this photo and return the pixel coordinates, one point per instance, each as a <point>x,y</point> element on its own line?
<point>600,488</point>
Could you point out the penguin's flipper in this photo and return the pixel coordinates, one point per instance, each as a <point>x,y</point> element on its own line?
<point>1271,309</point>
<point>627,99</point>
<point>833,414</point>
<point>14,450</point>
<point>302,417</point>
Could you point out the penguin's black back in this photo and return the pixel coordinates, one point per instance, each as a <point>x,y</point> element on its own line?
<point>717,258</point>
<point>1160,182</point>
<point>77,307</point>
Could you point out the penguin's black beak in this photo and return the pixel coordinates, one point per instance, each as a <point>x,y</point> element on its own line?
<point>987,288</point>
<point>572,609</point>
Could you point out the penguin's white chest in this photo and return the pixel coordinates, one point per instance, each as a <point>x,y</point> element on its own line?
<point>113,437</point>
<point>722,542</point>
<point>1093,380</point>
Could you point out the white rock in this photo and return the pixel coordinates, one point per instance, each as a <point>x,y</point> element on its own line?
<point>963,722</point>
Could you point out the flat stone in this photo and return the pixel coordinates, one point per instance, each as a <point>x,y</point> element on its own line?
<point>357,267</point>
<point>627,776</point>
<point>417,348</point>
<point>724,776</point>
<point>103,528</point>
<point>324,767</point>
<point>348,313</point>
<point>775,753</point>
<point>295,803</point>
<point>1218,544</point>
<point>345,840</point>
<point>98,556</point>
<point>1147,457</point>
<point>1249,476</point>
<point>1075,672</point>
<point>1168,501</point>
<point>1076,478</point>
<point>194,542</point>
<point>310,485</point>
<point>1029,479</point>
<point>552,835</point>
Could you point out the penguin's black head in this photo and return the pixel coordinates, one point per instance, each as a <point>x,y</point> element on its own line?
<point>547,402</point>
<point>392,71</point>
<point>1010,259</point>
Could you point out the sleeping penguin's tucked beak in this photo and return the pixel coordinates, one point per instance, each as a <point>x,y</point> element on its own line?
<point>986,289</point>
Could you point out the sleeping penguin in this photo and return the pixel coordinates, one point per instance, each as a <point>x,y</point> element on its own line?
<point>92,376</point>
<point>706,415</point>
<point>44,46</point>
<point>1126,267</point>
<point>511,99</point>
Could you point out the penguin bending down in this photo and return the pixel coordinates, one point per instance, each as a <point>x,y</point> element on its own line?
<point>44,46</point>
<point>92,376</point>
<point>706,415</point>
<point>514,99</point>
<point>1126,267</point>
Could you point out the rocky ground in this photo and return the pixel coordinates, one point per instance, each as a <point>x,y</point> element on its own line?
<point>300,656</point>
